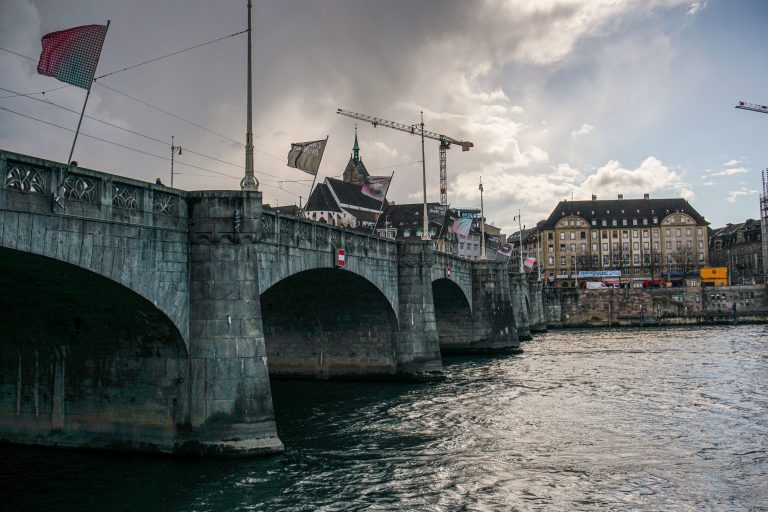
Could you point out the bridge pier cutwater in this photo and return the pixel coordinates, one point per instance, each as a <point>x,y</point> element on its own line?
<point>142,317</point>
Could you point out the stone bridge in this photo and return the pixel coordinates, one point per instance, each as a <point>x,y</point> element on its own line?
<point>144,317</point>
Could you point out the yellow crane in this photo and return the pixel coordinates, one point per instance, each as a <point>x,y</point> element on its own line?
<point>417,129</point>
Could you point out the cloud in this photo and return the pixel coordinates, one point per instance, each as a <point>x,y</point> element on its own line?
<point>696,7</point>
<point>730,171</point>
<point>707,183</point>
<point>584,130</point>
<point>733,196</point>
<point>731,163</point>
<point>651,175</point>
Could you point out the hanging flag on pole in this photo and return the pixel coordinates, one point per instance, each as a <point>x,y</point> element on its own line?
<point>461,226</point>
<point>505,250</point>
<point>376,187</point>
<point>72,55</point>
<point>529,262</point>
<point>306,156</point>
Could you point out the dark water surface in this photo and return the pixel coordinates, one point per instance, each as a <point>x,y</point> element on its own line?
<point>666,419</point>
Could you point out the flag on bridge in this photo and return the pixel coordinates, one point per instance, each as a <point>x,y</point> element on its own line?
<point>306,156</point>
<point>376,187</point>
<point>461,226</point>
<point>72,55</point>
<point>505,250</point>
<point>529,262</point>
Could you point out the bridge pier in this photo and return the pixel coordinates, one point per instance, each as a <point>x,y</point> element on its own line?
<point>521,305</point>
<point>231,409</point>
<point>418,346</point>
<point>493,321</point>
<point>536,295</point>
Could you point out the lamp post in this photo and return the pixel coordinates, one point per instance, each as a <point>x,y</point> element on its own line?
<point>249,182</point>
<point>425,226</point>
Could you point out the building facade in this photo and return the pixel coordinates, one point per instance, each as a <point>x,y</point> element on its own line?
<point>739,248</point>
<point>633,241</point>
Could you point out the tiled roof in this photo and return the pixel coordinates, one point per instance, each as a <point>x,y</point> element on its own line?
<point>620,209</point>
<point>350,194</point>
<point>322,200</point>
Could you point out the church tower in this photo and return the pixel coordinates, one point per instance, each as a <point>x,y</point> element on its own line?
<point>355,171</point>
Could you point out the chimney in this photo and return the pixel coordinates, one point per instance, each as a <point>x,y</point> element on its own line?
<point>646,196</point>
<point>594,197</point>
<point>621,196</point>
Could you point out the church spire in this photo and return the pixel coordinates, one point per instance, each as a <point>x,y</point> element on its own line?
<point>356,149</point>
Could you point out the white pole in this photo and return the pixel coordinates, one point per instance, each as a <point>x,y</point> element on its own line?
<point>425,225</point>
<point>482,222</point>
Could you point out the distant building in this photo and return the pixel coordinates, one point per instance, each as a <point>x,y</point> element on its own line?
<point>341,202</point>
<point>738,247</point>
<point>637,240</point>
<point>401,221</point>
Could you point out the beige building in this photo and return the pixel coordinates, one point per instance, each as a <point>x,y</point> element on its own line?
<point>629,241</point>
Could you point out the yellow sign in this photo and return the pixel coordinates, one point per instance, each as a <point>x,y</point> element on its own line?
<point>712,273</point>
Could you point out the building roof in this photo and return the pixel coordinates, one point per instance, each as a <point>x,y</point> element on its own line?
<point>349,195</point>
<point>322,200</point>
<point>411,215</point>
<point>619,209</point>
<point>290,209</point>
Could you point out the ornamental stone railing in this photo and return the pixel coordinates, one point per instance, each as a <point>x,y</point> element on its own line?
<point>28,184</point>
<point>291,231</point>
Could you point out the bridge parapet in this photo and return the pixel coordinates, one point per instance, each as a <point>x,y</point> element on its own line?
<point>28,185</point>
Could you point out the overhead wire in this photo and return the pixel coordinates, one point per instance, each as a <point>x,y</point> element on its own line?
<point>147,153</point>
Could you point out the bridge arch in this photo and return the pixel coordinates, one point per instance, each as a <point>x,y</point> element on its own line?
<point>453,314</point>
<point>327,322</point>
<point>83,354</point>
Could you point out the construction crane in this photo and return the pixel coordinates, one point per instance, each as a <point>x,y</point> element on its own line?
<point>445,142</point>
<point>751,106</point>
<point>764,196</point>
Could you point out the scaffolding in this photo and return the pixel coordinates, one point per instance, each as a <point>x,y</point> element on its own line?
<point>764,223</point>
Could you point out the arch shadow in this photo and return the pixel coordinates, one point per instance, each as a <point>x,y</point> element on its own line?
<point>452,314</point>
<point>83,353</point>
<point>327,322</point>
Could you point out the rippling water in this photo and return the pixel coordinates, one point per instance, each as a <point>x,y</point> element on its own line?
<point>670,419</point>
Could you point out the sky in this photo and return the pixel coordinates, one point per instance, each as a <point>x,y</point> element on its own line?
<point>561,98</point>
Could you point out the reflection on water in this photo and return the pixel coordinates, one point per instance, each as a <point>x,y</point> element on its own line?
<point>671,419</point>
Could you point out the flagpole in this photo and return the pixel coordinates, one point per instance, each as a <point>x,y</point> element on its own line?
<point>425,229</point>
<point>64,172</point>
<point>381,208</point>
<point>482,222</point>
<point>314,178</point>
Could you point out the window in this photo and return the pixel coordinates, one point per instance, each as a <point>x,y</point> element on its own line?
<point>634,222</point>
<point>624,222</point>
<point>605,222</point>
<point>679,245</point>
<point>635,233</point>
<point>646,246</point>
<point>605,234</point>
<point>668,232</point>
<point>656,246</point>
<point>562,235</point>
<point>687,231</point>
<point>701,244</point>
<point>583,247</point>
<point>614,234</point>
<point>461,245</point>
<point>573,247</point>
<point>573,235</point>
<point>636,259</point>
<point>688,244</point>
<point>562,261</point>
<point>678,232</point>
<point>551,248</point>
<point>625,234</point>
<point>698,231</point>
<point>605,247</point>
<point>551,260</point>
<point>645,222</point>
<point>594,247</point>
<point>605,261</point>
<point>645,233</point>
<point>594,222</point>
<point>655,220</point>
<point>594,235</point>
<point>562,247</point>
<point>583,235</point>
<point>669,245</point>
<point>636,246</point>
<point>550,236</point>
<point>613,222</point>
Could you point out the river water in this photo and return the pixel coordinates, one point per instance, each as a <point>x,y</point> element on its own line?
<point>659,419</point>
